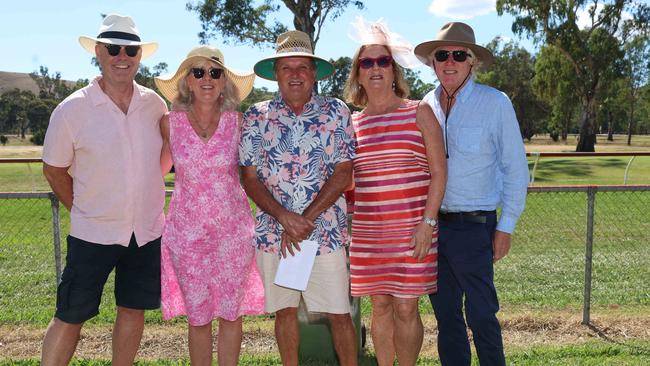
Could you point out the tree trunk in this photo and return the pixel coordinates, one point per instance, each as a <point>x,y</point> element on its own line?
<point>587,140</point>
<point>610,127</point>
<point>630,124</point>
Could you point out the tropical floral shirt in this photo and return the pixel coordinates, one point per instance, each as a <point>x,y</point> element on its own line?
<point>294,156</point>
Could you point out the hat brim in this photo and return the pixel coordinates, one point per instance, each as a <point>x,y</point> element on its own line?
<point>265,67</point>
<point>88,43</point>
<point>168,85</point>
<point>423,51</point>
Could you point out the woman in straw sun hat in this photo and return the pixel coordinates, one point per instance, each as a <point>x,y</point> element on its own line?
<point>208,267</point>
<point>399,176</point>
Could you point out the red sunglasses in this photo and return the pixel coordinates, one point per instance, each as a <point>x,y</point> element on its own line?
<point>381,61</point>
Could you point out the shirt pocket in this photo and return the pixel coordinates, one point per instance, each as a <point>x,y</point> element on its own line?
<point>469,139</point>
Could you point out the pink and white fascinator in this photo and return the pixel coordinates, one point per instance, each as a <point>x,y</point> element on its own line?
<point>365,33</point>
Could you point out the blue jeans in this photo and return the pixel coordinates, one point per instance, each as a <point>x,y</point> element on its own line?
<point>465,272</point>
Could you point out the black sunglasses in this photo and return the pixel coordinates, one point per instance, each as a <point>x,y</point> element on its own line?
<point>381,61</point>
<point>199,72</point>
<point>114,49</point>
<point>458,56</point>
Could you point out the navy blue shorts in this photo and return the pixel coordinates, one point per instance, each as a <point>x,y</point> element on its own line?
<point>137,278</point>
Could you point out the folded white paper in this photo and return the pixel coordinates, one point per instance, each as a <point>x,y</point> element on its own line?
<point>294,271</point>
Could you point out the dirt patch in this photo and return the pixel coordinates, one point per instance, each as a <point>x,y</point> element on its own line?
<point>170,341</point>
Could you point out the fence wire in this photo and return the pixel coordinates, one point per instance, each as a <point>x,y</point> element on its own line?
<point>545,268</point>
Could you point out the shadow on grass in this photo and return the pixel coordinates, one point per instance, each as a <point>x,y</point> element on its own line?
<point>602,334</point>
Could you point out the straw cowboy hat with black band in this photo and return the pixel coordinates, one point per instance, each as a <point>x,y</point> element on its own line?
<point>119,30</point>
<point>453,34</point>
<point>168,85</point>
<point>292,44</point>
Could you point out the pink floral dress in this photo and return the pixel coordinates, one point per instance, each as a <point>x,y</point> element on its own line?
<point>208,262</point>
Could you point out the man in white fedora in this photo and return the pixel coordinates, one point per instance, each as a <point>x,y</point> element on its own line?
<point>296,154</point>
<point>487,169</point>
<point>101,157</point>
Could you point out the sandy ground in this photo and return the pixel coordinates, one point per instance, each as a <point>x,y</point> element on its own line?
<point>169,341</point>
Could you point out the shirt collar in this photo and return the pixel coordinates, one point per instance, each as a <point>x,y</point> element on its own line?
<point>464,92</point>
<point>312,104</point>
<point>98,97</point>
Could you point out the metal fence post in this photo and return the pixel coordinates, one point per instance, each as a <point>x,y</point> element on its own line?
<point>56,233</point>
<point>591,200</point>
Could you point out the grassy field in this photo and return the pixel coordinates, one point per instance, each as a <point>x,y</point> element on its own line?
<point>540,283</point>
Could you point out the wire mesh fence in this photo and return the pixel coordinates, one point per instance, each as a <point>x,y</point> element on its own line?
<point>576,247</point>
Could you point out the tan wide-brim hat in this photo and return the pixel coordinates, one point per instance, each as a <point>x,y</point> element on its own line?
<point>168,85</point>
<point>292,44</point>
<point>120,30</point>
<point>453,34</point>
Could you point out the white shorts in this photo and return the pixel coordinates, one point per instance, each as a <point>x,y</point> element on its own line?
<point>328,289</point>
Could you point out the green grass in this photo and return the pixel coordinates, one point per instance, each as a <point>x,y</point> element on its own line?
<point>590,170</point>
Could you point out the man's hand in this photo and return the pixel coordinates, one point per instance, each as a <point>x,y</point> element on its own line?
<point>297,226</point>
<point>421,240</point>
<point>288,242</point>
<point>501,244</point>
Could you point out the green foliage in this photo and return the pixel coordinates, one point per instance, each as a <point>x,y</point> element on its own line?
<point>13,111</point>
<point>3,140</point>
<point>257,95</point>
<point>247,21</point>
<point>145,75</point>
<point>335,84</point>
<point>511,72</point>
<point>594,53</point>
<point>418,88</point>
<point>555,82</point>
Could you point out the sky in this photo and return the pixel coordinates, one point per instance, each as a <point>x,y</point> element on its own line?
<point>44,32</point>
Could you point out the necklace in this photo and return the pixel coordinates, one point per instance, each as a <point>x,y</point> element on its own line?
<point>204,130</point>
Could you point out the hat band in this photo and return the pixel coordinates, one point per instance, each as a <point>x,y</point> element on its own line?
<point>120,35</point>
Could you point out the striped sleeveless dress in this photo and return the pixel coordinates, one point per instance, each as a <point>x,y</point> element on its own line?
<point>391,177</point>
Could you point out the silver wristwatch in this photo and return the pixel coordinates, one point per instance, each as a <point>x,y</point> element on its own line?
<point>430,221</point>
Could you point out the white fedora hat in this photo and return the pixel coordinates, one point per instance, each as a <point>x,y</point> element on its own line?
<point>120,30</point>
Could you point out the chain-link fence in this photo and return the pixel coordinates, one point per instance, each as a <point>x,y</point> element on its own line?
<point>574,247</point>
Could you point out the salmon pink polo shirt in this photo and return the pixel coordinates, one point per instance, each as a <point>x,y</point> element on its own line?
<point>114,161</point>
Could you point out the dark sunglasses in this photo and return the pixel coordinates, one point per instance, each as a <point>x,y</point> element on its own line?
<point>458,56</point>
<point>381,61</point>
<point>114,49</point>
<point>199,72</point>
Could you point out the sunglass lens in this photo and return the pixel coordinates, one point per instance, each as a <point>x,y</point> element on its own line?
<point>216,73</point>
<point>132,51</point>
<point>442,56</point>
<point>113,49</point>
<point>459,56</point>
<point>384,61</point>
<point>366,63</point>
<point>198,73</point>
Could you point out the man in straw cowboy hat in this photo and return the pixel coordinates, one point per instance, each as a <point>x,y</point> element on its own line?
<point>487,169</point>
<point>296,156</point>
<point>102,159</point>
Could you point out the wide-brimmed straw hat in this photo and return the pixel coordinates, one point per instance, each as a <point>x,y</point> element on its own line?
<point>168,85</point>
<point>120,30</point>
<point>453,34</point>
<point>292,44</point>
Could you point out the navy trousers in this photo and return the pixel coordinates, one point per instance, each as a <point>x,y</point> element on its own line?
<point>466,277</point>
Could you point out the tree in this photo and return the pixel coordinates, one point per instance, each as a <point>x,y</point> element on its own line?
<point>593,52</point>
<point>145,75</point>
<point>511,72</point>
<point>14,105</point>
<point>418,88</point>
<point>246,23</point>
<point>334,85</point>
<point>555,82</point>
<point>637,74</point>
<point>50,86</point>
<point>256,95</point>
<point>38,115</point>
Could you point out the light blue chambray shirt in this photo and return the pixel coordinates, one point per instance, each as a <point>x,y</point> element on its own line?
<point>487,166</point>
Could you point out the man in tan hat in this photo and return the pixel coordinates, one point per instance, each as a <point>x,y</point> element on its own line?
<point>487,169</point>
<point>102,159</point>
<point>296,156</point>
